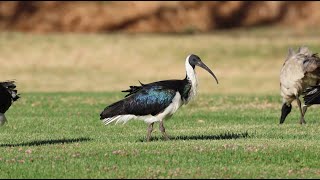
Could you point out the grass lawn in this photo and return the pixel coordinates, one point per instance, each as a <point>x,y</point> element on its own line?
<point>230,130</point>
<point>59,135</point>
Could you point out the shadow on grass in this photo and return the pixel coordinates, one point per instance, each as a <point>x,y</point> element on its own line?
<point>203,137</point>
<point>46,142</point>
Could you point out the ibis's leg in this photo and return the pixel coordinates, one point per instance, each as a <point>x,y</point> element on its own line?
<point>150,128</point>
<point>163,130</point>
<point>304,110</point>
<point>302,121</point>
<point>2,119</point>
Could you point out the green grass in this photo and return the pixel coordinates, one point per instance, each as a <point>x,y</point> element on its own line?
<point>59,135</point>
<point>231,130</point>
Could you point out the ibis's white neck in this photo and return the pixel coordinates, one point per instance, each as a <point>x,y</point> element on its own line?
<point>192,77</point>
<point>2,119</point>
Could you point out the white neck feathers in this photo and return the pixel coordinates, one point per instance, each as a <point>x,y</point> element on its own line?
<point>191,75</point>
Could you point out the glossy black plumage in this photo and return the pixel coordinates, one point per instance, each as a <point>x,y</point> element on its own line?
<point>148,99</point>
<point>8,94</point>
<point>312,95</point>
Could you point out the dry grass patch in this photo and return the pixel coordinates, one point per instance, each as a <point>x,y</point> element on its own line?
<point>245,61</point>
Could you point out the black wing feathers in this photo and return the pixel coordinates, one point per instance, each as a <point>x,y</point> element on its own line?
<point>8,94</point>
<point>146,99</point>
<point>312,95</point>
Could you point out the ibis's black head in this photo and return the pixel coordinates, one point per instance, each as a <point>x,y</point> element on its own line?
<point>194,61</point>
<point>286,109</point>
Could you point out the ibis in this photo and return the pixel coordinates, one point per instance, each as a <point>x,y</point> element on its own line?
<point>8,94</point>
<point>156,101</point>
<point>299,73</point>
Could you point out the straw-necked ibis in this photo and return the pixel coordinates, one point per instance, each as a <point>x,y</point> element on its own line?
<point>8,94</point>
<point>157,101</point>
<point>299,72</point>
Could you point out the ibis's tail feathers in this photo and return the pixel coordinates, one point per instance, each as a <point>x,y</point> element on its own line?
<point>116,112</point>
<point>312,95</point>
<point>112,110</point>
<point>119,119</point>
<point>10,86</point>
<point>107,121</point>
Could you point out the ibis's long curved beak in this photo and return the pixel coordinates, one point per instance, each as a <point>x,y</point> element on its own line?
<point>201,64</point>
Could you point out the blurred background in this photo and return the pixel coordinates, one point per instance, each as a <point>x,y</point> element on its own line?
<point>107,46</point>
<point>153,17</point>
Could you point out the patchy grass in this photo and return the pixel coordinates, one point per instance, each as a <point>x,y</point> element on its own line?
<point>59,135</point>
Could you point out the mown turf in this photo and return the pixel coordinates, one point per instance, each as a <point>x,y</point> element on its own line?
<point>231,130</point>
<point>59,135</point>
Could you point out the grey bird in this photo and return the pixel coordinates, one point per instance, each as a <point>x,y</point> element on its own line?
<point>300,72</point>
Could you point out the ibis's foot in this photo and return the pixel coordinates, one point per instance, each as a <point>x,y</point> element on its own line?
<point>148,138</point>
<point>150,128</point>
<point>165,136</point>
<point>302,121</point>
<point>302,111</point>
<point>163,130</point>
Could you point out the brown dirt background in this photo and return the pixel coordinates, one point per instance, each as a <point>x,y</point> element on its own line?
<point>154,16</point>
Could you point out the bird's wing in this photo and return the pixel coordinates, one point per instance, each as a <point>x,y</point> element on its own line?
<point>148,100</point>
<point>5,99</point>
<point>311,64</point>
<point>7,95</point>
<point>312,95</point>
